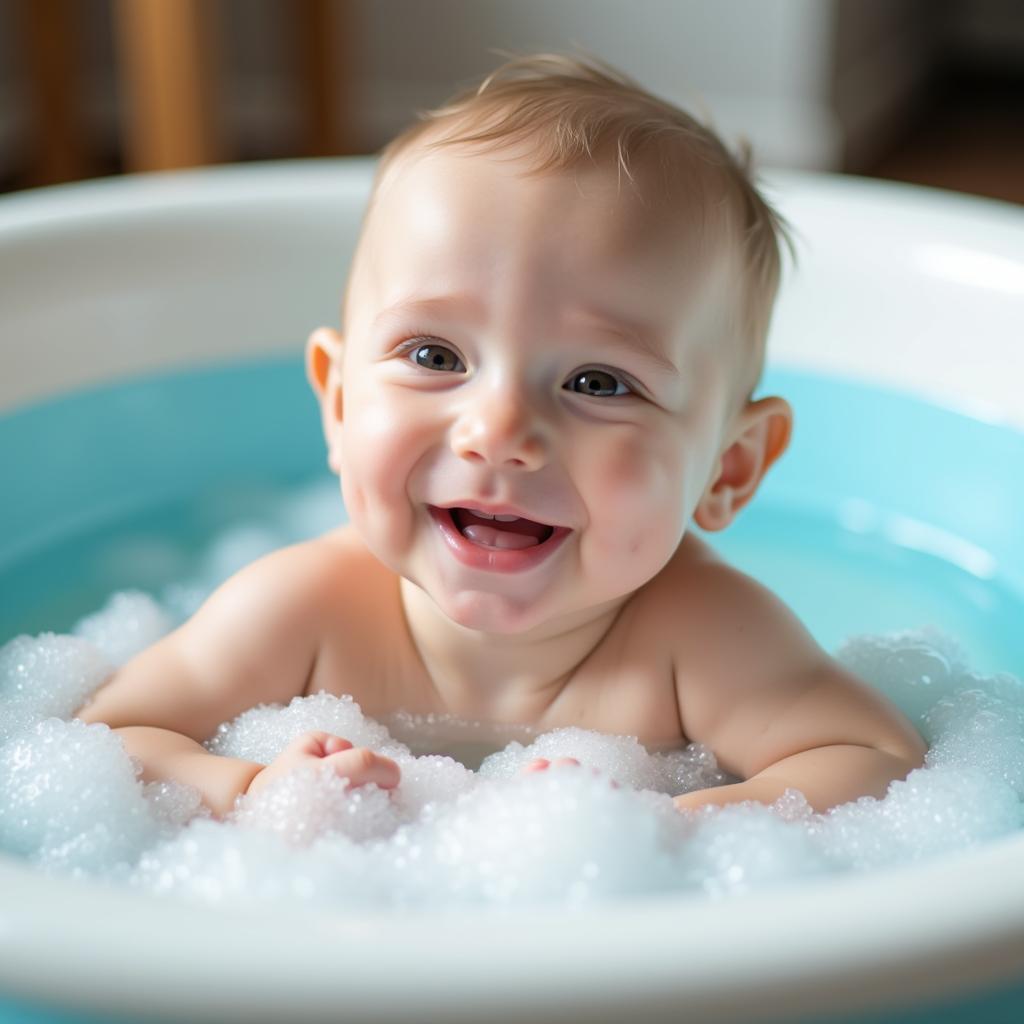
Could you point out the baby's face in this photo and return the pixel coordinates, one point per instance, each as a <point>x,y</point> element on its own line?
<point>543,347</point>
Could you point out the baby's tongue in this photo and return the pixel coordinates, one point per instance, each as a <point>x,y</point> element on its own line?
<point>489,537</point>
<point>519,533</point>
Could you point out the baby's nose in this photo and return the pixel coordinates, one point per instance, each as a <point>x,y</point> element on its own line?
<point>500,432</point>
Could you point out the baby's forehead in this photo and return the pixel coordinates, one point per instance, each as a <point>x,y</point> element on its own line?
<point>444,198</point>
<point>440,215</point>
<point>644,185</point>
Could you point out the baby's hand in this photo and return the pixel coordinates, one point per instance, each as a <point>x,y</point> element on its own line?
<point>358,764</point>
<point>541,764</point>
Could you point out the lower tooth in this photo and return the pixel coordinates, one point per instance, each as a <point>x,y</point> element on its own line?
<point>488,536</point>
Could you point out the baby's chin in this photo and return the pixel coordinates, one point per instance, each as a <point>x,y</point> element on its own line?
<point>535,618</point>
<point>489,612</point>
<point>480,610</point>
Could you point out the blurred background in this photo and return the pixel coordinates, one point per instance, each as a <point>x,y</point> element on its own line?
<point>928,91</point>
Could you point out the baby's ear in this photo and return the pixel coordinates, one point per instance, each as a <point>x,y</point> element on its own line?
<point>323,370</point>
<point>323,354</point>
<point>760,437</point>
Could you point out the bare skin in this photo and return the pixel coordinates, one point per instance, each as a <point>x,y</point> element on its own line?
<point>554,349</point>
<point>241,648</point>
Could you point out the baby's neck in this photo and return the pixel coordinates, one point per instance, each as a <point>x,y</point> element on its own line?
<point>499,677</point>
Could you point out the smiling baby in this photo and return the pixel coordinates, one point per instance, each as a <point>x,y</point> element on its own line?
<point>551,335</point>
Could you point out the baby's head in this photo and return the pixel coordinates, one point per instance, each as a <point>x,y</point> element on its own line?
<point>555,115</point>
<point>558,306</point>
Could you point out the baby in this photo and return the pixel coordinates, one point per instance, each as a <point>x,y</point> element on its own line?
<point>552,330</point>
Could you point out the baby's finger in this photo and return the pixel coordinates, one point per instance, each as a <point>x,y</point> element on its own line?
<point>362,765</point>
<point>305,743</point>
<point>593,771</point>
<point>317,743</point>
<point>334,744</point>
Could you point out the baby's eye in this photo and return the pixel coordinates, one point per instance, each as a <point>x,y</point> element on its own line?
<point>437,357</point>
<point>598,382</point>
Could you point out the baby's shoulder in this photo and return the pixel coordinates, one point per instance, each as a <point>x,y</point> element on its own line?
<point>694,575</point>
<point>300,582</point>
<point>334,568</point>
<point>338,547</point>
<point>710,608</point>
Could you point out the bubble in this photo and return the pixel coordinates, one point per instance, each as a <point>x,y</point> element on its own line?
<point>261,733</point>
<point>70,801</point>
<point>128,623</point>
<point>463,830</point>
<point>46,675</point>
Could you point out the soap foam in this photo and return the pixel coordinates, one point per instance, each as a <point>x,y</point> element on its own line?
<point>46,675</point>
<point>70,801</point>
<point>449,836</point>
<point>127,624</point>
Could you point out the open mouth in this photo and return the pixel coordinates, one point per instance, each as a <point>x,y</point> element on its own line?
<point>504,533</point>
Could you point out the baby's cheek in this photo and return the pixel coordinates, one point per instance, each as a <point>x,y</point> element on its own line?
<point>374,471</point>
<point>637,506</point>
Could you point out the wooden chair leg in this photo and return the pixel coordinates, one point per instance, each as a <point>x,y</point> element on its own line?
<point>165,75</point>
<point>58,150</point>
<point>322,29</point>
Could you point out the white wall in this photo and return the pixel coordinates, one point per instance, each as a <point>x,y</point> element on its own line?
<point>882,59</point>
<point>761,69</point>
<point>811,83</point>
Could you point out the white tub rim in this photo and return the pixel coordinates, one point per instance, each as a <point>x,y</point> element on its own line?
<point>974,930</point>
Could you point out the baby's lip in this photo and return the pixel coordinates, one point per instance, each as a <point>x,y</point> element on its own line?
<point>491,510</point>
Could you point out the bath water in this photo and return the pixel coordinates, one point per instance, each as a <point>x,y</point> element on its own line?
<point>852,535</point>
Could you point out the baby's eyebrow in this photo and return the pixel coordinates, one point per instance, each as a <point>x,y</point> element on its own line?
<point>639,337</point>
<point>433,306</point>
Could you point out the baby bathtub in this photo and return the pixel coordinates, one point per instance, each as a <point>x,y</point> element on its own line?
<point>904,295</point>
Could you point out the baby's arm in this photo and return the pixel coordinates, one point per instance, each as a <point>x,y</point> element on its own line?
<point>775,709</point>
<point>254,641</point>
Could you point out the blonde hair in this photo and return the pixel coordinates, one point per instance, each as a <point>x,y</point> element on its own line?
<point>567,110</point>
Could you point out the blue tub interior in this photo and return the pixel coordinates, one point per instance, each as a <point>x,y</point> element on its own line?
<point>887,513</point>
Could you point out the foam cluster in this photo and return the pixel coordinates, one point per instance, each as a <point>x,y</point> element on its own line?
<point>71,802</point>
<point>448,836</point>
<point>453,835</point>
<point>46,675</point>
<point>619,757</point>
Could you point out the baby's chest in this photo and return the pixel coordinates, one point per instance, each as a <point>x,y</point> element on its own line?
<point>638,703</point>
<point>625,696</point>
<point>624,687</point>
<point>620,692</point>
